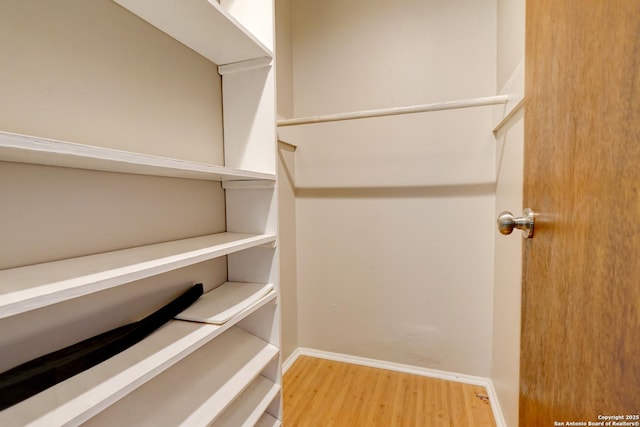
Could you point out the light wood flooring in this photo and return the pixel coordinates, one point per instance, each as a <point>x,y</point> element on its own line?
<point>320,392</point>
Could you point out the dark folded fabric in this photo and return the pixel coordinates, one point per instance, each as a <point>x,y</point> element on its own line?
<point>36,375</point>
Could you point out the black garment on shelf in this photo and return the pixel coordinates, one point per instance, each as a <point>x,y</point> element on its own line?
<point>34,376</point>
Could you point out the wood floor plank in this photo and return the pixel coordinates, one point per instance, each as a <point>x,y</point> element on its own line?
<point>325,393</point>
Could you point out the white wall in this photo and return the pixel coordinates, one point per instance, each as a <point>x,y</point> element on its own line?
<point>284,62</point>
<point>505,364</point>
<point>361,54</point>
<point>510,38</point>
<point>395,215</point>
<point>93,73</point>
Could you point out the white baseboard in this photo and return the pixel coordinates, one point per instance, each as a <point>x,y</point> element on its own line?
<point>409,369</point>
<point>495,404</point>
<point>391,366</point>
<point>290,360</point>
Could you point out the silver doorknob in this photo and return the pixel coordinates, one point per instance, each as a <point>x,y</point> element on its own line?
<point>507,222</point>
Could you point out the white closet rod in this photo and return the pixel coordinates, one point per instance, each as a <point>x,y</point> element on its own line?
<point>394,111</point>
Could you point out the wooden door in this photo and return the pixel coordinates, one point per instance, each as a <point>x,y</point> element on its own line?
<point>581,272</point>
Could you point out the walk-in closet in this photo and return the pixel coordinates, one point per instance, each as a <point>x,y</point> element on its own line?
<point>283,212</point>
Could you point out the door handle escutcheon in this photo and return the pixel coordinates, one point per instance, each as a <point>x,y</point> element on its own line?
<point>507,222</point>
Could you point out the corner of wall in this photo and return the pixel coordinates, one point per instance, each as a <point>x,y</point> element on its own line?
<point>284,60</point>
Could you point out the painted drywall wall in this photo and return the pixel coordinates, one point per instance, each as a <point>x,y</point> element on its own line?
<point>383,275</point>
<point>284,62</point>
<point>53,213</point>
<point>505,363</point>
<point>360,54</point>
<point>90,72</point>
<point>394,218</point>
<point>93,73</point>
<point>510,25</point>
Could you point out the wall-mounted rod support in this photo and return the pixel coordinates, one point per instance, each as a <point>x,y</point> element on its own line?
<point>394,111</point>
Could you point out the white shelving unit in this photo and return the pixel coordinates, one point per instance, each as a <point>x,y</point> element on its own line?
<point>79,398</point>
<point>231,365</point>
<point>247,410</point>
<point>268,421</point>
<point>213,383</point>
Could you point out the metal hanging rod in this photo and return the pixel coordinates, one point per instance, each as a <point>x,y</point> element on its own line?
<point>394,111</point>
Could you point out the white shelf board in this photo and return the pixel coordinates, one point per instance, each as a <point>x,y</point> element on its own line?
<point>248,185</point>
<point>42,151</point>
<point>197,390</point>
<point>247,409</point>
<point>244,66</point>
<point>268,421</point>
<point>202,25</point>
<point>27,288</point>
<point>220,304</point>
<point>83,396</point>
